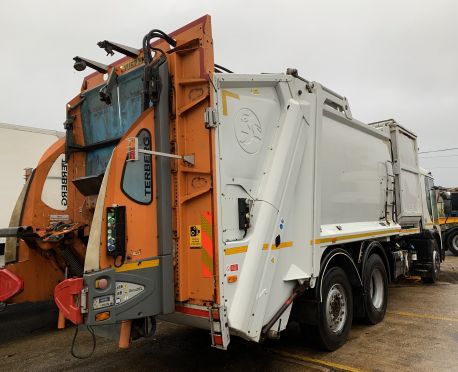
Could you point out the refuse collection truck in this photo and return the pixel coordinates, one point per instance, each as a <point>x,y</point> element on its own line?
<point>448,217</point>
<point>236,203</point>
<point>228,202</point>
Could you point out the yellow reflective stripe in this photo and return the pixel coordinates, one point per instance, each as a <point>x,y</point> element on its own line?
<point>364,235</point>
<point>137,265</point>
<point>265,246</point>
<point>449,220</point>
<point>353,236</point>
<point>280,246</point>
<point>410,231</point>
<point>283,245</point>
<point>235,250</point>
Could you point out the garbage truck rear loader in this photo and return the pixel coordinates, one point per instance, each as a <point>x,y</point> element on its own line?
<point>237,202</point>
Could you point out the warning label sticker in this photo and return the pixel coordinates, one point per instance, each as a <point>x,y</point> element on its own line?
<point>195,236</point>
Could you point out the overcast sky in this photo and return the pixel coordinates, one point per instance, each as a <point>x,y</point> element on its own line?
<point>391,58</point>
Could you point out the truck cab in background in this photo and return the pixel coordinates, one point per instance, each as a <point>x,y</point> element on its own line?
<point>448,217</point>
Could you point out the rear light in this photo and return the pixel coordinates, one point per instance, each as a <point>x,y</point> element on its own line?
<point>218,340</point>
<point>67,296</point>
<point>116,237</point>
<point>102,316</point>
<point>232,278</point>
<point>10,284</point>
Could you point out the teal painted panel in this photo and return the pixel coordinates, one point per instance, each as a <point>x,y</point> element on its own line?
<point>103,122</point>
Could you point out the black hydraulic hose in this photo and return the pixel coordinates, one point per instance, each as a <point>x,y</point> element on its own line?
<point>147,39</point>
<point>223,68</point>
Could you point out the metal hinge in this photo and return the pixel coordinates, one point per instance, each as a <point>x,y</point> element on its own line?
<point>83,300</point>
<point>211,118</point>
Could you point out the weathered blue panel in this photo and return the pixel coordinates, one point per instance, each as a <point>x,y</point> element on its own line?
<point>97,160</point>
<point>130,97</point>
<point>100,121</point>
<point>103,122</point>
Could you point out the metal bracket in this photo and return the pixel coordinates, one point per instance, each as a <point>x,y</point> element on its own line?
<point>81,64</point>
<point>133,151</point>
<point>347,110</point>
<point>109,46</point>
<point>210,118</point>
<point>105,91</point>
<point>83,300</point>
<point>189,159</point>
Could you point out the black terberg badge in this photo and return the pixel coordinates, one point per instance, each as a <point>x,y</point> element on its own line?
<point>64,185</point>
<point>137,180</point>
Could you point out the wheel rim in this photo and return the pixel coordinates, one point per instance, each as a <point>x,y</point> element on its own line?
<point>455,242</point>
<point>336,308</point>
<point>377,289</point>
<point>436,262</point>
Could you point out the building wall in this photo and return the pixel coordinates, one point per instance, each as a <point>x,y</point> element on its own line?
<point>20,147</point>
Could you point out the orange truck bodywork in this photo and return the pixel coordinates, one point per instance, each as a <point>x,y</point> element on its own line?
<point>191,67</point>
<point>39,262</point>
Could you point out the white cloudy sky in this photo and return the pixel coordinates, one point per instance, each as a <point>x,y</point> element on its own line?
<point>391,58</point>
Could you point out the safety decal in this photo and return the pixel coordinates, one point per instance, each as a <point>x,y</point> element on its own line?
<point>195,236</point>
<point>207,244</point>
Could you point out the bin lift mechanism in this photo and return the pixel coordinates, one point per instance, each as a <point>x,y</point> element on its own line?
<point>133,151</point>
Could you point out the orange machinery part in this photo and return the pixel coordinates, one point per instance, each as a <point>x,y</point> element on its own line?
<point>36,264</point>
<point>191,68</point>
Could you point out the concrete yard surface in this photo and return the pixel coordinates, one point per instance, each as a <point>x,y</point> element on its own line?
<point>419,333</point>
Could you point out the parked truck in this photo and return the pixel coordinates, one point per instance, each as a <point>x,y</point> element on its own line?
<point>448,217</point>
<point>235,203</point>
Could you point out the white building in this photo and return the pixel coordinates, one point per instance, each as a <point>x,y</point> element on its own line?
<point>20,147</point>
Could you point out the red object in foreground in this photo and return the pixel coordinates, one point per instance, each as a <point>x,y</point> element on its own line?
<point>10,284</point>
<point>67,296</point>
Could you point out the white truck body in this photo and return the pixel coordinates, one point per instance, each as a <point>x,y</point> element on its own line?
<point>314,177</point>
<point>21,147</point>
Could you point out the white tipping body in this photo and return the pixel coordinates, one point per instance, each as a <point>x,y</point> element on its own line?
<point>313,177</point>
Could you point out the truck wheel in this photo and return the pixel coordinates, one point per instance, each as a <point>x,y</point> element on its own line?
<point>435,270</point>
<point>375,283</point>
<point>452,242</point>
<point>336,310</point>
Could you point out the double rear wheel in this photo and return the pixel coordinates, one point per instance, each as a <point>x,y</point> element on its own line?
<point>452,242</point>
<point>335,312</point>
<point>375,281</point>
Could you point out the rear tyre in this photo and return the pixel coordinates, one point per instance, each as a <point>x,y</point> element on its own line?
<point>375,282</point>
<point>452,242</point>
<point>435,270</point>
<point>335,311</point>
